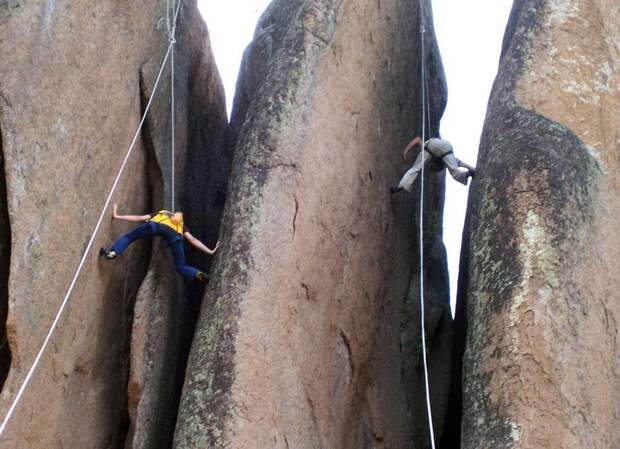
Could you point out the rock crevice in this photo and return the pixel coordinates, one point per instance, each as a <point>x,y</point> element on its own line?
<point>166,307</point>
<point>5,257</point>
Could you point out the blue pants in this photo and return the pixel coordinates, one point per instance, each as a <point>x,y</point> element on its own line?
<point>174,240</point>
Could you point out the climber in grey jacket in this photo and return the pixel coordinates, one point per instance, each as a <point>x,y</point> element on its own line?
<point>440,153</point>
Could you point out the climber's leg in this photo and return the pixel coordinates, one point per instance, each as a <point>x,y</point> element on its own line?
<point>459,174</point>
<point>189,273</point>
<point>411,175</point>
<point>142,231</point>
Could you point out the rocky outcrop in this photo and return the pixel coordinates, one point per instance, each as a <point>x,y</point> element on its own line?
<point>308,336</point>
<point>74,79</point>
<point>542,364</point>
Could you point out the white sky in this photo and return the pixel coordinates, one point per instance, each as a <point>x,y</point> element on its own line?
<point>231,26</point>
<point>470,35</point>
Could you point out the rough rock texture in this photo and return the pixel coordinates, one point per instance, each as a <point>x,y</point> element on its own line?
<point>308,337</point>
<point>542,365</point>
<point>74,77</point>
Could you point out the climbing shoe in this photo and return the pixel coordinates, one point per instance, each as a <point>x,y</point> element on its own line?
<point>395,190</point>
<point>107,255</point>
<point>202,277</point>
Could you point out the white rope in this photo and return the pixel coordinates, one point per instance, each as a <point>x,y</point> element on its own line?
<point>172,123</point>
<point>86,252</point>
<point>172,145</point>
<point>422,308</point>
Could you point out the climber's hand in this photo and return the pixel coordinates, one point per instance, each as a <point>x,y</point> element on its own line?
<point>115,210</point>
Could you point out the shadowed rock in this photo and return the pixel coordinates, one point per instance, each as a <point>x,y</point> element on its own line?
<point>5,256</point>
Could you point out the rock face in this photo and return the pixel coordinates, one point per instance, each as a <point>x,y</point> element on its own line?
<point>308,336</point>
<point>542,363</point>
<point>74,79</point>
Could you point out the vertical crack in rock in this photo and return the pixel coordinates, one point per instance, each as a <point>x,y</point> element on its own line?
<point>349,355</point>
<point>438,319</point>
<point>155,358</point>
<point>167,307</point>
<point>295,216</point>
<point>153,173</point>
<point>5,258</point>
<point>451,438</point>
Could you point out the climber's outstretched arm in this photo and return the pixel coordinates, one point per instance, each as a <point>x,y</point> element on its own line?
<point>134,218</point>
<point>201,246</point>
<point>412,144</point>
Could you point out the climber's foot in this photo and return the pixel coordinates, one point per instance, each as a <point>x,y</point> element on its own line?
<point>107,254</point>
<point>395,190</point>
<point>202,277</point>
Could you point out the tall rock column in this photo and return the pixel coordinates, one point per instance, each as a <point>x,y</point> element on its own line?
<point>300,342</point>
<point>74,79</point>
<point>542,363</point>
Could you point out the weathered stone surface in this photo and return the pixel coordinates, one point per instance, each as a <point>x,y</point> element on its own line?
<point>74,79</point>
<point>300,344</point>
<point>542,365</point>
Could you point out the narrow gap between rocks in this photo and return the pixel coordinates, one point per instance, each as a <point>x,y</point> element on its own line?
<point>460,27</point>
<point>155,188</point>
<point>5,256</point>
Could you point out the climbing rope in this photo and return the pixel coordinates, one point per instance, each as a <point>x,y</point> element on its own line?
<point>65,301</point>
<point>172,32</point>
<point>421,226</point>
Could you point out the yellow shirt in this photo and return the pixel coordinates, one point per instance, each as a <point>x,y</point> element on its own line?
<point>165,217</point>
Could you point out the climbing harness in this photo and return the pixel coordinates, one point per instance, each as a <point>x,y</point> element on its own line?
<point>425,109</point>
<point>65,301</point>
<point>165,217</point>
